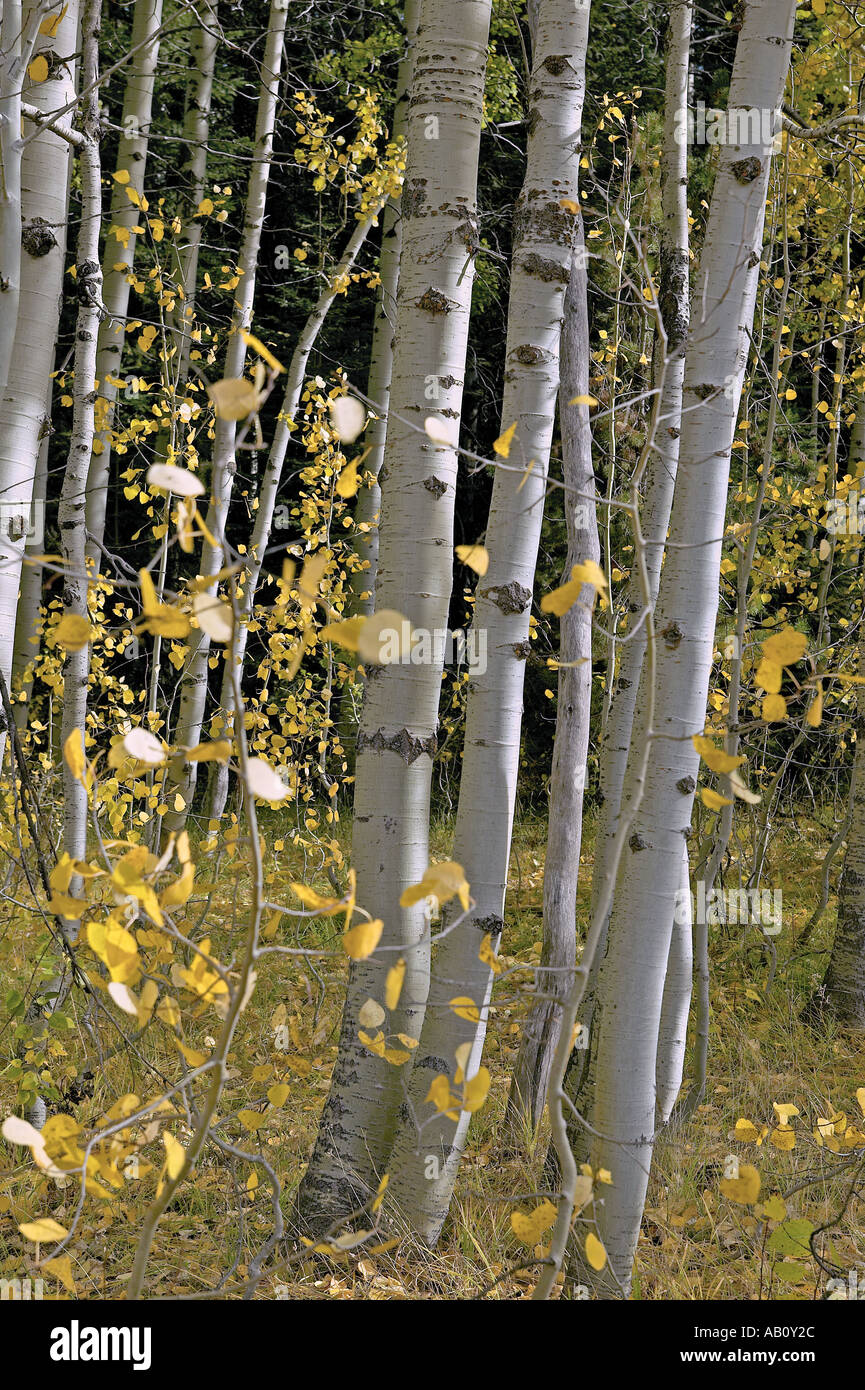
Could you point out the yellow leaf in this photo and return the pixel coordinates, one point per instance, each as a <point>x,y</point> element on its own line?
<point>440,881</point>
<point>121,176</point>
<point>50,24</point>
<point>38,70</point>
<point>569,205</point>
<point>714,800</point>
<point>747,1133</point>
<point>785,1112</point>
<point>785,647</point>
<point>745,1189</point>
<point>234,398</point>
<point>715,758</point>
<point>73,632</point>
<point>464,1007</point>
<point>258,346</point>
<point>278,1094</point>
<point>385,638</point>
<point>783,1138</point>
<point>178,892</point>
<point>347,483</point>
<point>774,708</point>
<point>502,445</point>
<point>394,983</point>
<point>595,1252</point>
<point>860,1096</point>
<point>45,1228</point>
<point>439,1094</point>
<point>250,1119</point>
<point>362,940</point>
<point>528,1227</point>
<point>774,1208</point>
<point>475,556</point>
<point>583,400</point>
<point>814,716</point>
<point>346,633</point>
<point>379,1196</point>
<point>61,1268</point>
<point>476,1090</point>
<point>488,956</point>
<point>176,1154</point>
<point>768,676</point>
<point>168,1012</point>
<point>217,752</point>
<point>73,753</point>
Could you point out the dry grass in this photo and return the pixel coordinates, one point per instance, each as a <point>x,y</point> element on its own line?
<point>695,1242</point>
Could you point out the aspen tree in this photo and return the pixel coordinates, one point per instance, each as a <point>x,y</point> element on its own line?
<point>193,685</point>
<point>424,1164</point>
<point>397,735</point>
<point>570,748</point>
<point>196,130</point>
<point>71,512</point>
<point>119,256</point>
<point>660,477</point>
<point>638,946</point>
<point>45,161</point>
<point>381,354</point>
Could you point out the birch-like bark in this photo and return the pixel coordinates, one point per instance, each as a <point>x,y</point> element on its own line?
<point>634,970</point>
<point>13,64</point>
<point>676,1005</point>
<point>570,749</point>
<point>196,129</point>
<point>27,620</point>
<point>45,163</point>
<point>268,493</point>
<point>429,1144</point>
<point>193,686</point>
<point>119,259</point>
<point>367,511</point>
<point>72,508</point>
<point>397,735</point>
<point>673,299</point>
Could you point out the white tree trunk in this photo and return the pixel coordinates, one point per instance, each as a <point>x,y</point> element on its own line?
<point>193,686</point>
<point>661,468</point>
<point>71,512</point>
<point>396,740</point>
<point>196,129</point>
<point>570,749</point>
<point>676,1006</point>
<point>116,287</point>
<point>45,163</point>
<point>673,294</point>
<point>425,1164</point>
<point>367,511</point>
<point>638,947</point>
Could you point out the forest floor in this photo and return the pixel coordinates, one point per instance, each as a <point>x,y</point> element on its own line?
<point>695,1244</point>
